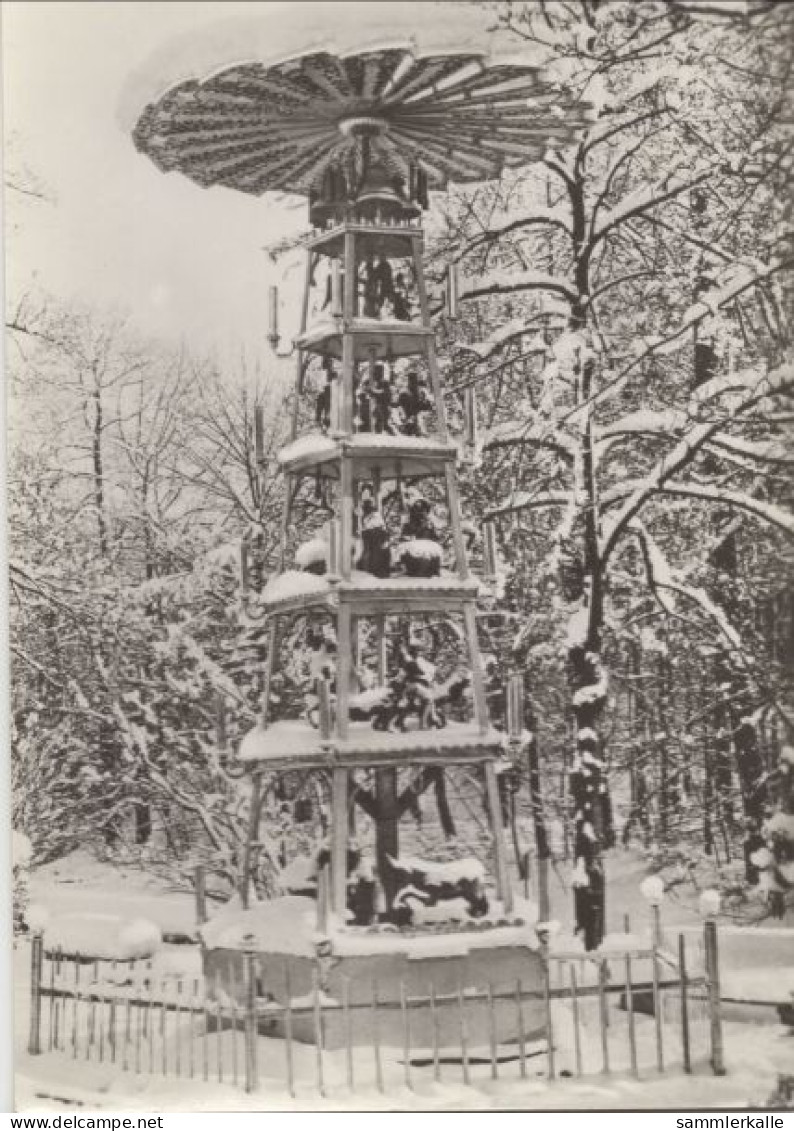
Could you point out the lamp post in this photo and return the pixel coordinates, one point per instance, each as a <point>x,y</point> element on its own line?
<point>652,890</point>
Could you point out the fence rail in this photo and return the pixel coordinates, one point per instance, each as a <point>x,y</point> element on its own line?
<point>635,1013</point>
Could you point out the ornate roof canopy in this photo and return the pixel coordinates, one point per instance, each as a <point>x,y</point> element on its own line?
<point>257,127</point>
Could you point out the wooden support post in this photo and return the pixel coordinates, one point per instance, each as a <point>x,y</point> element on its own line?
<point>682,975</point>
<point>453,505</point>
<point>577,1037</point>
<point>657,1011</point>
<point>343,670</point>
<point>489,551</point>
<point>603,1012</point>
<point>348,342</point>
<point>382,657</point>
<point>376,1036</point>
<point>201,894</point>
<point>251,1075</point>
<point>346,504</point>
<point>630,1017</point>
<point>452,289</point>
<point>387,829</point>
<point>300,363</point>
<point>324,709</point>
<point>36,965</point>
<point>272,649</point>
<point>334,557</point>
<point>547,1010</point>
<point>470,416</point>
<point>477,677</point>
<point>337,301</point>
<point>339,785</point>
<point>355,653</point>
<point>515,706</point>
<point>715,1005</point>
<point>288,1029</point>
<point>322,900</point>
<point>432,361</point>
<point>343,420</point>
<point>289,487</point>
<point>253,834</point>
<point>503,889</point>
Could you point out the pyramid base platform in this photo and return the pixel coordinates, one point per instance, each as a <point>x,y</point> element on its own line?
<point>461,989</point>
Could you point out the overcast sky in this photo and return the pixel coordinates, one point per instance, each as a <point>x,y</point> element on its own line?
<point>185,261</point>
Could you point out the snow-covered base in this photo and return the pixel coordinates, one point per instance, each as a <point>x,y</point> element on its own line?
<point>286,925</point>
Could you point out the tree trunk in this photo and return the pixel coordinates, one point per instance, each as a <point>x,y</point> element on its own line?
<point>98,470</point>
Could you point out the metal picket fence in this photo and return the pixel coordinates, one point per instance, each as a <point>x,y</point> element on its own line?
<point>635,1013</point>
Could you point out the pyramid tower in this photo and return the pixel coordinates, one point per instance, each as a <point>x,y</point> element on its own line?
<point>370,440</point>
<point>365,126</point>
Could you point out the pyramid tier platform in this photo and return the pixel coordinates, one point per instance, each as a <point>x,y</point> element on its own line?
<point>380,338</point>
<point>296,591</point>
<point>408,457</point>
<point>377,239</point>
<point>295,744</point>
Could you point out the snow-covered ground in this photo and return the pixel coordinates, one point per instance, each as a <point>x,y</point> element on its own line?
<point>757,1046</point>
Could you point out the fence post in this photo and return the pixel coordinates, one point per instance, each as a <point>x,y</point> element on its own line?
<point>251,1081</point>
<point>713,979</point>
<point>36,962</point>
<point>682,974</point>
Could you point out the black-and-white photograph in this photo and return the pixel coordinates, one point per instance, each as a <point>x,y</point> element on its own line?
<point>400,546</point>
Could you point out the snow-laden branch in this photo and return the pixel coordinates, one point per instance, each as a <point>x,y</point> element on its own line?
<point>685,450</point>
<point>607,128</point>
<point>507,282</point>
<point>665,582</point>
<point>557,217</point>
<point>515,328</point>
<point>769,512</point>
<point>525,500</point>
<point>645,198</point>
<point>665,423</point>
<point>537,432</point>
<point>742,279</point>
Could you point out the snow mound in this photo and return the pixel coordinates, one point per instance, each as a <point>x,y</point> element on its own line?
<point>293,583</point>
<point>286,925</point>
<point>442,871</point>
<point>420,548</point>
<point>109,937</point>
<point>300,872</point>
<point>311,552</point>
<point>315,444</point>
